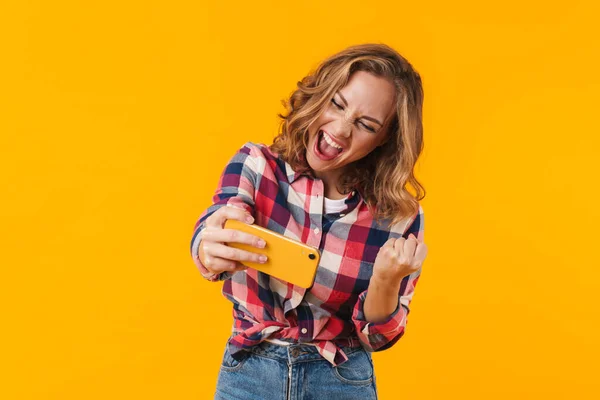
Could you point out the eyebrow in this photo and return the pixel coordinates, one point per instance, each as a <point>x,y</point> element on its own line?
<point>364,116</point>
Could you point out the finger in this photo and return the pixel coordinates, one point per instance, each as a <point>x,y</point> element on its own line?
<point>399,246</point>
<point>231,253</point>
<point>390,242</point>
<point>412,235</point>
<point>240,267</point>
<point>388,248</point>
<point>217,265</point>
<point>420,254</point>
<point>410,245</point>
<point>232,235</point>
<point>218,218</point>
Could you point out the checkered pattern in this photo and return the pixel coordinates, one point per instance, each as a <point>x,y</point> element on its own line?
<point>329,314</point>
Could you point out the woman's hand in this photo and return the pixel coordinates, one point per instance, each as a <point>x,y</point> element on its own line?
<point>399,258</point>
<point>213,251</point>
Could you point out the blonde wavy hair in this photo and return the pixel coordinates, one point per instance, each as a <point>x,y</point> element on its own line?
<point>382,176</point>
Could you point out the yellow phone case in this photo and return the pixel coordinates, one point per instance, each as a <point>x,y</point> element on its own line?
<point>287,259</point>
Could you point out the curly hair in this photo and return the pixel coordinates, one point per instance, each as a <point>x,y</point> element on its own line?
<point>382,176</point>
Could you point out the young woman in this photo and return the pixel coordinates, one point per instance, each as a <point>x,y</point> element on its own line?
<point>335,178</point>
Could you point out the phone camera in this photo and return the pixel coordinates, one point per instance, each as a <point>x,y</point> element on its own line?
<point>312,256</point>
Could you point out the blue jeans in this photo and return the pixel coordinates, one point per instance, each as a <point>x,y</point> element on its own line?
<point>296,372</point>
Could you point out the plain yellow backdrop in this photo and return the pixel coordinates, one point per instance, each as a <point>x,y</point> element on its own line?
<point>117,117</point>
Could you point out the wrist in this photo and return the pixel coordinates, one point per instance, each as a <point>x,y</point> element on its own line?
<point>385,283</point>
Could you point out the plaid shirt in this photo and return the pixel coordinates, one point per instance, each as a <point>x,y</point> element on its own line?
<point>330,314</point>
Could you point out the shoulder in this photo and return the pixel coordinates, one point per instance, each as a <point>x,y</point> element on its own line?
<point>251,154</point>
<point>258,159</point>
<point>263,157</point>
<point>259,150</point>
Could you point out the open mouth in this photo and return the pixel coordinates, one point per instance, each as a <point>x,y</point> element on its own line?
<point>325,148</point>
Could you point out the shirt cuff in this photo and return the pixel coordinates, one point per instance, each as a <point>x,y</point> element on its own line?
<point>377,336</point>
<point>391,325</point>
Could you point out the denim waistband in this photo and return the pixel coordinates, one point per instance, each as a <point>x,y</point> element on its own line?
<point>294,353</point>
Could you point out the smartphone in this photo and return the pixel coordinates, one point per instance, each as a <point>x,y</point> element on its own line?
<point>287,259</point>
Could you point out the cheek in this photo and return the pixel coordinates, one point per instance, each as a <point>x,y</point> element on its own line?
<point>362,144</point>
<point>362,147</point>
<point>323,119</point>
<point>314,127</point>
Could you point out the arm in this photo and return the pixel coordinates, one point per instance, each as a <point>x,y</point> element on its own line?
<point>380,314</point>
<point>235,189</point>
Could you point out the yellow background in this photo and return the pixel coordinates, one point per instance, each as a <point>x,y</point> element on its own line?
<point>116,119</point>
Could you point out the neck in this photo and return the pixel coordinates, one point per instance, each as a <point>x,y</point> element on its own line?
<point>330,182</point>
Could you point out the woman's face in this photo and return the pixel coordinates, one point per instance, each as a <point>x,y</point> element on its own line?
<point>355,121</point>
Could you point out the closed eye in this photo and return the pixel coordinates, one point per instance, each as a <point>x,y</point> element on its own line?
<point>336,104</point>
<point>367,127</point>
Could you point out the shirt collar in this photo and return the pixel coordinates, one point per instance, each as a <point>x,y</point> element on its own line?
<point>291,174</point>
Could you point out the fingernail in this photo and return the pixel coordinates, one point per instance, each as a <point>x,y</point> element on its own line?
<point>261,243</point>
<point>249,219</point>
<point>263,259</point>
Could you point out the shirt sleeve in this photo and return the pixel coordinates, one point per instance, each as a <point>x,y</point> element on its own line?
<point>382,335</point>
<point>235,189</point>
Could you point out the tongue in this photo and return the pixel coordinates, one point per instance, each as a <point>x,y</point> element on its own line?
<point>326,149</point>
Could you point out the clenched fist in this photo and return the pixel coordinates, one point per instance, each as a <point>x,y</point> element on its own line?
<point>399,258</point>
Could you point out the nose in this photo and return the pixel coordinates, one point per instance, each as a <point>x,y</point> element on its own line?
<point>343,127</point>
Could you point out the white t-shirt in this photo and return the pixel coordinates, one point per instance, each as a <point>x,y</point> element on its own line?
<point>334,206</point>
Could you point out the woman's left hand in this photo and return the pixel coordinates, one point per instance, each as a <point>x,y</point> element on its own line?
<point>399,258</point>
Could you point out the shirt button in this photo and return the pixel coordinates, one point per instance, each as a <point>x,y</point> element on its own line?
<point>304,330</point>
<point>316,231</point>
